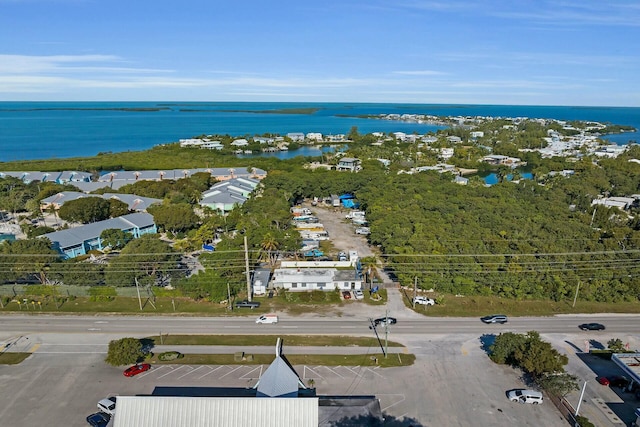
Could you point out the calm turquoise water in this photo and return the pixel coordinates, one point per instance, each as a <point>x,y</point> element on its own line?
<point>43,130</point>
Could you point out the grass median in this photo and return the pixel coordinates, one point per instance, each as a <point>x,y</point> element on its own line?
<point>369,359</point>
<point>13,358</point>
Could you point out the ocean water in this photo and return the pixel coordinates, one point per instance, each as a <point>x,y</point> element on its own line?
<point>45,130</point>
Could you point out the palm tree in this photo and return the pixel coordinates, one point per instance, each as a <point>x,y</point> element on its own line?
<point>370,266</point>
<point>270,245</point>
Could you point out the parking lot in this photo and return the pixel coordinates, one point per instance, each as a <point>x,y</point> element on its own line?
<point>453,383</point>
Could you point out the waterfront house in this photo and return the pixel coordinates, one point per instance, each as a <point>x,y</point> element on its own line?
<point>348,164</point>
<point>241,142</point>
<point>78,241</point>
<point>314,136</point>
<point>296,136</point>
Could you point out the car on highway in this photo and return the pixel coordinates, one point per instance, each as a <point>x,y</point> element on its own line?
<point>99,419</point>
<point>358,294</point>
<point>136,369</point>
<point>247,304</point>
<point>423,301</point>
<point>495,318</point>
<point>592,327</point>
<point>108,405</point>
<point>385,321</point>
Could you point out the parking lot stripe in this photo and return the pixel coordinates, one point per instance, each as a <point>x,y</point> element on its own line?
<point>304,373</point>
<point>356,373</point>
<point>231,371</point>
<point>374,372</point>
<point>210,372</point>
<point>401,399</point>
<point>190,372</point>
<point>328,368</point>
<point>245,377</point>
<point>172,371</point>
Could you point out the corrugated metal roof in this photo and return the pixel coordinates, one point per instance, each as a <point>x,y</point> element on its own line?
<point>162,411</point>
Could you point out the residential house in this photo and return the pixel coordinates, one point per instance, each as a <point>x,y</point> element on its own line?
<point>78,241</point>
<point>224,196</point>
<point>461,180</point>
<point>348,164</point>
<point>622,203</point>
<point>135,203</point>
<point>240,142</point>
<point>296,136</point>
<point>496,159</point>
<point>314,136</point>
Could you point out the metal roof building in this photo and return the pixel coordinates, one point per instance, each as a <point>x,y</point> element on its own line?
<point>170,411</point>
<point>279,399</point>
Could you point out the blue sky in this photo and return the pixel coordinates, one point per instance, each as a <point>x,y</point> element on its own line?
<point>525,52</point>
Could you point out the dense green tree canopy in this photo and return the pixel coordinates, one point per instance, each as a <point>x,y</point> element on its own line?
<point>146,260</point>
<point>85,210</point>
<point>174,218</point>
<point>27,260</point>
<point>124,351</point>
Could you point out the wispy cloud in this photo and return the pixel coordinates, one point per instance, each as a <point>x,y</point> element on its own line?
<point>419,73</point>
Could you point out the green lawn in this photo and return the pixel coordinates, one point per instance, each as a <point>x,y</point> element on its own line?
<point>312,302</point>
<point>477,306</point>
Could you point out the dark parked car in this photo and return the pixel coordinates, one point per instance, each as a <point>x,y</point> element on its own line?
<point>99,419</point>
<point>592,327</point>
<point>385,321</point>
<point>495,318</point>
<point>134,370</point>
<point>619,381</point>
<point>247,304</point>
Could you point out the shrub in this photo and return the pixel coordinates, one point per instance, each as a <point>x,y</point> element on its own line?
<point>170,355</point>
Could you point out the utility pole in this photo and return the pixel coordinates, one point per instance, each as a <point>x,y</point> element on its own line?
<point>138,291</point>
<point>246,267</point>
<point>229,297</point>
<point>415,290</point>
<point>386,334</point>
<point>576,295</point>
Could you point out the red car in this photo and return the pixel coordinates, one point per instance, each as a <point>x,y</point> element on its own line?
<point>136,369</point>
<point>603,380</point>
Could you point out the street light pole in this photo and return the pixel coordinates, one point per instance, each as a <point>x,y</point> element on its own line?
<point>581,396</point>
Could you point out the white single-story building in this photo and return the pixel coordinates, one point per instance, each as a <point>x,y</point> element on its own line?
<point>313,279</point>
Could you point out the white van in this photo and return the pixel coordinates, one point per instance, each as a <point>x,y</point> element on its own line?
<point>525,396</point>
<point>267,318</point>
